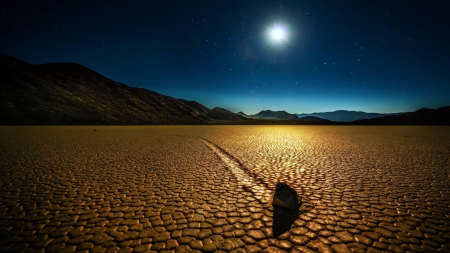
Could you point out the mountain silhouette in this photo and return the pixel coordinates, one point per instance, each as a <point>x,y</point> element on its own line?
<point>283,115</point>
<point>313,119</point>
<point>278,115</point>
<point>424,116</point>
<point>345,116</point>
<point>69,93</point>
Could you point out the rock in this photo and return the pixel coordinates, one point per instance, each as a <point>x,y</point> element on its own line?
<point>286,204</point>
<point>286,198</point>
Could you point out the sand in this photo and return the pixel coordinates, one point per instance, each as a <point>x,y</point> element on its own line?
<point>208,188</point>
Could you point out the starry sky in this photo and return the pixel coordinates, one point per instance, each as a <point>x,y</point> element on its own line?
<point>374,56</point>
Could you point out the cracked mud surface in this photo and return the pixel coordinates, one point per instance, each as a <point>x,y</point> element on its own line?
<point>165,189</point>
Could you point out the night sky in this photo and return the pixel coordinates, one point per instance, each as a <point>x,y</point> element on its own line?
<point>373,56</point>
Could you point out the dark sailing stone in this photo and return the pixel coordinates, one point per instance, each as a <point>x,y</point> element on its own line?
<point>286,198</point>
<point>286,204</point>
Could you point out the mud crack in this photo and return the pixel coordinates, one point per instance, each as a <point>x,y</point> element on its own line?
<point>247,179</point>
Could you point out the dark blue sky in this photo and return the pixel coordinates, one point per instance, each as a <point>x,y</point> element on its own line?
<point>376,56</point>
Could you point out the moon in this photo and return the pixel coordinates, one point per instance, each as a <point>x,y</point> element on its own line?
<point>277,34</point>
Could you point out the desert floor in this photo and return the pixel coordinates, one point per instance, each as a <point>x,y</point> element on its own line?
<point>208,188</point>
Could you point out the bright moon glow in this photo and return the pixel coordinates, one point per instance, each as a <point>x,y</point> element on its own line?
<point>277,34</point>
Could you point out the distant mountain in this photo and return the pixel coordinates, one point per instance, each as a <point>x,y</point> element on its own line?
<point>69,93</point>
<point>242,114</point>
<point>313,119</point>
<point>279,115</point>
<point>223,114</point>
<point>197,108</point>
<point>216,113</point>
<point>345,116</point>
<point>283,115</point>
<point>424,116</point>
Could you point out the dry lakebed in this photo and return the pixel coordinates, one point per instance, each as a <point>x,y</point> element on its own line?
<point>209,188</point>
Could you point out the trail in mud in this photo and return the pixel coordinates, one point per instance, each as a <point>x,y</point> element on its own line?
<point>246,178</point>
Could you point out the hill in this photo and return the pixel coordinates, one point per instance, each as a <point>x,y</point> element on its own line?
<point>345,116</point>
<point>313,119</point>
<point>278,115</point>
<point>424,116</point>
<point>69,93</point>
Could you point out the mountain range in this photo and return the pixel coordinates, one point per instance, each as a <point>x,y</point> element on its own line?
<point>424,116</point>
<point>345,116</point>
<point>69,93</point>
<point>282,115</point>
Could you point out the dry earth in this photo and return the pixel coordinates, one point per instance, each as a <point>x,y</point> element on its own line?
<point>207,188</point>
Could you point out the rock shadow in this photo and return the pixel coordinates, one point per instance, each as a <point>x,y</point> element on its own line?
<point>286,204</point>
